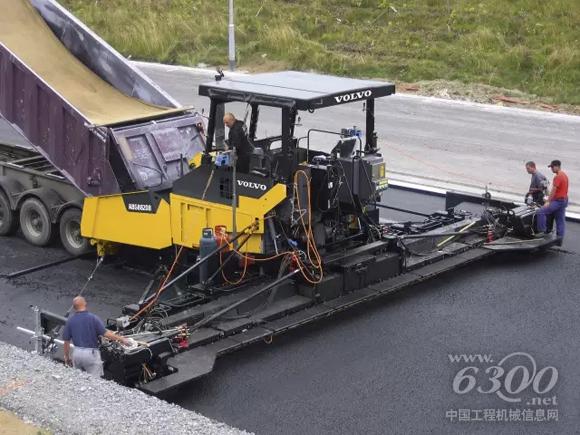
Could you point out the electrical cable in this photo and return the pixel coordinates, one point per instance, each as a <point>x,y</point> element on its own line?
<point>161,287</point>
<point>222,264</point>
<point>310,241</point>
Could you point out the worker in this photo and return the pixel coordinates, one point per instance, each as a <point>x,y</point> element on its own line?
<point>238,140</point>
<point>538,185</point>
<point>556,203</point>
<point>84,329</point>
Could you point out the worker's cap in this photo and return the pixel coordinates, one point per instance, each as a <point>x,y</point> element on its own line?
<point>555,163</point>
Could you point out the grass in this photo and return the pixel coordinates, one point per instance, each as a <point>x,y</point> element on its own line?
<point>10,424</point>
<point>529,45</point>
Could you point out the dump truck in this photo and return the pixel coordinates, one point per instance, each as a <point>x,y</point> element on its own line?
<point>91,124</point>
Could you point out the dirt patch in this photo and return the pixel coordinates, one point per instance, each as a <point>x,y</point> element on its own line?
<point>452,90</point>
<point>11,424</point>
<point>485,94</point>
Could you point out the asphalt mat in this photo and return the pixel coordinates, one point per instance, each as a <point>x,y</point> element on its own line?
<point>381,368</point>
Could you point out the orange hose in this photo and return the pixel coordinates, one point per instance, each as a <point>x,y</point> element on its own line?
<point>223,238</point>
<point>310,241</point>
<point>159,291</point>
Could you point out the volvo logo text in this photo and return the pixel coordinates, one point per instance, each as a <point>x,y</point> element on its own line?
<point>353,96</point>
<point>251,185</point>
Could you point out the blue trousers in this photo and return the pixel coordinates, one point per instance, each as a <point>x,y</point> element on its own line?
<point>556,208</point>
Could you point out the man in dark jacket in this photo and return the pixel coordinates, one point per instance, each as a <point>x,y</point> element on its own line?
<point>538,184</point>
<point>238,139</point>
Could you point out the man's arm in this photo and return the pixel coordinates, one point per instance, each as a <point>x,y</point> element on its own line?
<point>67,337</point>
<point>103,332</point>
<point>66,349</point>
<point>236,137</point>
<point>115,337</point>
<point>555,185</point>
<point>536,184</point>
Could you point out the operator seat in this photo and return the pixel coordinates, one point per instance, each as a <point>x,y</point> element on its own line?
<point>258,162</point>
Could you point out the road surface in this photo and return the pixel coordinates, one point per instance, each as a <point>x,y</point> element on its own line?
<point>383,368</point>
<point>426,141</point>
<point>429,140</point>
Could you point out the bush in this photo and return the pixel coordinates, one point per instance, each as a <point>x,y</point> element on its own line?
<point>531,45</point>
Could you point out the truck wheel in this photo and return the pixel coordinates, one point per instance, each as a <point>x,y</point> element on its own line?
<point>8,221</point>
<point>70,233</point>
<point>35,222</point>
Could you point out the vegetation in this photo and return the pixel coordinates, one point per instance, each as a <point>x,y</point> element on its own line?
<point>530,45</point>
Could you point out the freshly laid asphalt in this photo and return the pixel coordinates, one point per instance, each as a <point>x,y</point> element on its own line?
<point>382,368</point>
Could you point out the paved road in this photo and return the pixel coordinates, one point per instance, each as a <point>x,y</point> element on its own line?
<point>459,143</point>
<point>383,368</point>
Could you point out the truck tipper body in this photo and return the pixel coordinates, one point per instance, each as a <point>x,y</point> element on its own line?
<point>96,122</point>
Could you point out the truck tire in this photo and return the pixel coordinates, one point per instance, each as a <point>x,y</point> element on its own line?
<point>35,222</point>
<point>8,221</point>
<point>70,233</point>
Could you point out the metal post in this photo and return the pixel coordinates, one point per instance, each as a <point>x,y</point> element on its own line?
<point>234,152</point>
<point>286,129</point>
<point>254,121</point>
<point>371,145</point>
<point>211,127</point>
<point>220,130</point>
<point>231,37</point>
<point>38,331</point>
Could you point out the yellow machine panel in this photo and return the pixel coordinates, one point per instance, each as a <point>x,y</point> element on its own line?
<point>136,219</point>
<point>146,220</point>
<point>189,216</point>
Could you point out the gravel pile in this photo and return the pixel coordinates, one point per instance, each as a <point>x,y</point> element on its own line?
<point>68,401</point>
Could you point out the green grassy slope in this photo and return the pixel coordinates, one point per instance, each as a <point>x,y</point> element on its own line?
<point>531,45</point>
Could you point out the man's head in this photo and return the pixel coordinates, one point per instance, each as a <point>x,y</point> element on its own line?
<point>531,167</point>
<point>79,303</point>
<point>229,120</point>
<point>555,166</point>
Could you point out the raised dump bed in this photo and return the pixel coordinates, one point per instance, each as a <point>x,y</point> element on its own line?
<point>100,122</point>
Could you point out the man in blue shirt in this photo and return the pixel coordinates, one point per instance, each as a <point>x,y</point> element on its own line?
<point>84,329</point>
